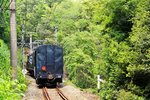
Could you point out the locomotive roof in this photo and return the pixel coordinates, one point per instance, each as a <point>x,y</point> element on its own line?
<point>43,46</point>
<point>52,45</point>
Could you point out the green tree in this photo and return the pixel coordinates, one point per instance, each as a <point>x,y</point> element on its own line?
<point>139,38</point>
<point>4,20</point>
<point>80,56</point>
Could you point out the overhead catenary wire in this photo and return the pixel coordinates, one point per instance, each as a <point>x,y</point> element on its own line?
<point>4,5</point>
<point>2,20</point>
<point>7,6</point>
<point>1,3</point>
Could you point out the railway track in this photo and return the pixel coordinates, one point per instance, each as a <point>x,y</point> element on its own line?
<point>45,94</point>
<point>47,97</point>
<point>61,94</point>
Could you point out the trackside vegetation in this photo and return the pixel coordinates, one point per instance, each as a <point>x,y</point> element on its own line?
<point>9,89</point>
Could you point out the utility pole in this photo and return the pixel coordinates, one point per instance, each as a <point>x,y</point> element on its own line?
<point>30,43</point>
<point>22,45</point>
<point>55,34</point>
<point>24,71</point>
<point>13,39</point>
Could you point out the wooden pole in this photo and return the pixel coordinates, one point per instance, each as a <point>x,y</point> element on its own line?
<point>13,39</point>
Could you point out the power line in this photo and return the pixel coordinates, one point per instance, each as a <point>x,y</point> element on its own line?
<point>2,19</point>
<point>3,8</point>
<point>6,7</point>
<point>4,4</point>
<point>1,3</point>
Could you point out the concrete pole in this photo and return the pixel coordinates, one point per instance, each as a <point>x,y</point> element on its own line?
<point>22,47</point>
<point>13,40</point>
<point>55,34</point>
<point>30,43</point>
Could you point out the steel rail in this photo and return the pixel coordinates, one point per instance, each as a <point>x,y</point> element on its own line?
<point>61,94</point>
<point>45,93</point>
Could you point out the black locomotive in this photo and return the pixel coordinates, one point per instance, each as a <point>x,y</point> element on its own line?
<point>46,64</point>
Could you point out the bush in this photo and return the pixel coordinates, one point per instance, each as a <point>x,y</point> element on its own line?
<point>81,69</point>
<point>9,88</point>
<point>124,95</point>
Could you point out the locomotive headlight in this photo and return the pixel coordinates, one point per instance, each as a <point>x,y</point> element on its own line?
<point>43,68</point>
<point>59,76</point>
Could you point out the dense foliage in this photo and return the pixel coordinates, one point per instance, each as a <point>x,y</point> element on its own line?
<point>4,20</point>
<point>106,37</point>
<point>9,88</point>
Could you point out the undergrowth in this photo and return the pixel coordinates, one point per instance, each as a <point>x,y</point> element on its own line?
<point>9,89</point>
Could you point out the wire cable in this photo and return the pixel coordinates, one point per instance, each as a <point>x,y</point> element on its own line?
<point>3,12</point>
<point>8,6</point>
<point>4,5</point>
<point>2,20</point>
<point>1,3</point>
